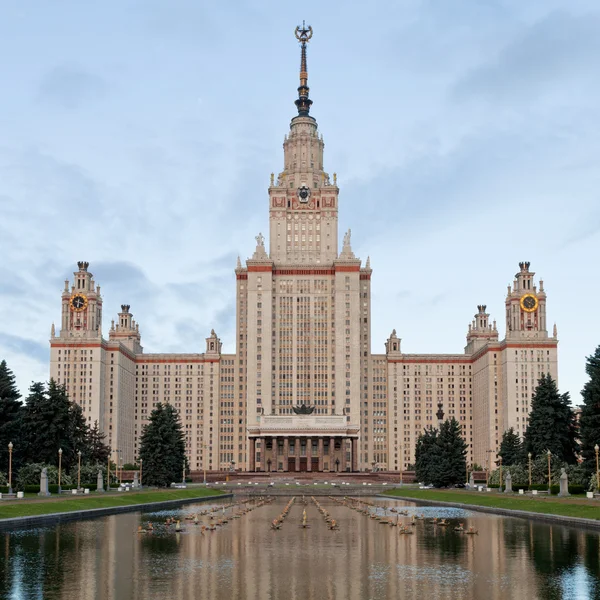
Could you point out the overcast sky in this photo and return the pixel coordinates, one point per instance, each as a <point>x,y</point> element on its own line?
<point>140,136</point>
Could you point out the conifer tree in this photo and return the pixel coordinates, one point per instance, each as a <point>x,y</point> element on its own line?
<point>51,421</point>
<point>450,465</point>
<point>589,422</point>
<point>551,423</point>
<point>10,412</point>
<point>96,450</point>
<point>425,454</point>
<point>162,447</point>
<point>511,448</point>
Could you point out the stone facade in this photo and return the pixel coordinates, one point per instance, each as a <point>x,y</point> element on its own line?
<point>303,337</point>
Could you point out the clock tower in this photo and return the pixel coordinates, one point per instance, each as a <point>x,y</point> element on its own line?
<point>526,307</point>
<point>81,306</point>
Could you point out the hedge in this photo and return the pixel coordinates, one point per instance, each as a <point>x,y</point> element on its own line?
<point>541,487</point>
<point>52,488</point>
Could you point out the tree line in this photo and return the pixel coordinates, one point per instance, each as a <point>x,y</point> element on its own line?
<point>440,455</point>
<point>48,420</point>
<point>41,424</point>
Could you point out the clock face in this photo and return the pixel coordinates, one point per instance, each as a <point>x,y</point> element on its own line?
<point>78,302</point>
<point>303,194</point>
<point>529,302</point>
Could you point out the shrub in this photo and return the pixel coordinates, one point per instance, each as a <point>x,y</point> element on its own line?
<point>3,480</point>
<point>89,472</point>
<point>30,475</point>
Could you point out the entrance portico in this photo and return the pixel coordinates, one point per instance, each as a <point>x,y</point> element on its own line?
<point>303,443</point>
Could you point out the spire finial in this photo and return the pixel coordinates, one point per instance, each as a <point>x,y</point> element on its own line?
<point>303,35</point>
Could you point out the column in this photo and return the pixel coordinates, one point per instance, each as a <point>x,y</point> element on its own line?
<point>252,456</point>
<point>332,455</point>
<point>309,454</point>
<point>354,454</point>
<point>263,454</point>
<point>297,454</point>
<point>321,454</point>
<point>286,451</point>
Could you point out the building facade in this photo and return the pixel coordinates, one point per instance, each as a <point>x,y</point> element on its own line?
<point>303,392</point>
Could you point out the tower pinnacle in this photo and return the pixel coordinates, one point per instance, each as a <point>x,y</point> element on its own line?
<point>303,35</point>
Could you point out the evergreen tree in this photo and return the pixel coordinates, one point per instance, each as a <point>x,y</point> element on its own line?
<point>511,448</point>
<point>551,423</point>
<point>51,421</point>
<point>97,451</point>
<point>450,465</point>
<point>162,447</point>
<point>589,422</point>
<point>10,412</point>
<point>425,452</point>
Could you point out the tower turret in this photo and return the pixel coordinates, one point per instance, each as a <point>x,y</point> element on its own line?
<point>303,200</point>
<point>481,331</point>
<point>126,330</point>
<point>526,306</point>
<point>81,305</point>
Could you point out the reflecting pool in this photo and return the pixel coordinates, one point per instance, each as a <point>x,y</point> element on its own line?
<point>245,558</point>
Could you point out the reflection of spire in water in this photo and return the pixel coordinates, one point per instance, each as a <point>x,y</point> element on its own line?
<point>106,558</point>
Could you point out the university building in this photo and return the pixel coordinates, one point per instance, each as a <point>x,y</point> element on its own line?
<point>303,392</point>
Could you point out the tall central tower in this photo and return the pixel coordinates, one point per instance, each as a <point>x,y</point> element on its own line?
<point>303,327</point>
<point>303,202</point>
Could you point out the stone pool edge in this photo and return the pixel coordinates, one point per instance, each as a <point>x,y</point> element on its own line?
<point>92,513</point>
<point>505,512</point>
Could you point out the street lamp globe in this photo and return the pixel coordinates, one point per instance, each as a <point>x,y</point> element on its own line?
<point>10,445</point>
<point>596,448</point>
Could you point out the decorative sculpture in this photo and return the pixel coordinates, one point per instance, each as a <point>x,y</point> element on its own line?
<point>303,409</point>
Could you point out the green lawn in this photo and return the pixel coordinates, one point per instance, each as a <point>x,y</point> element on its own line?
<point>567,507</point>
<point>28,508</point>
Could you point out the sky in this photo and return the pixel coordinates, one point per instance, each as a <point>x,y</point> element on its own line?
<point>140,136</point>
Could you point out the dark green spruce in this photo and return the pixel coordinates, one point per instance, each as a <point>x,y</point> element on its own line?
<point>51,421</point>
<point>425,452</point>
<point>162,447</point>
<point>511,448</point>
<point>10,413</point>
<point>589,422</point>
<point>551,423</point>
<point>440,456</point>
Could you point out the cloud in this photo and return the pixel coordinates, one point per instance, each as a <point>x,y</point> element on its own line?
<point>25,346</point>
<point>70,87</point>
<point>550,54</point>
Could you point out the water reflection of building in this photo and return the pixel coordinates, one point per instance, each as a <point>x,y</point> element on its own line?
<point>303,335</point>
<point>105,559</point>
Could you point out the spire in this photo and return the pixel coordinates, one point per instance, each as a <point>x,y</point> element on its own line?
<point>303,35</point>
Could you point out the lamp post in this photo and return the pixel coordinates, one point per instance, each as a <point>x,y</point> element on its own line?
<point>596,448</point>
<point>549,472</point>
<point>10,449</point>
<point>78,470</point>
<point>183,476</point>
<point>337,465</point>
<point>108,472</point>
<point>141,470</point>
<point>529,457</point>
<point>401,461</point>
<point>440,414</point>
<point>500,463</point>
<point>59,467</point>
<point>204,462</point>
<point>487,471</point>
<point>118,473</point>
